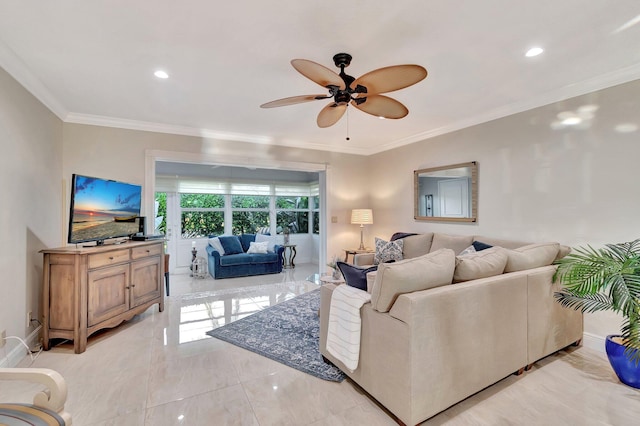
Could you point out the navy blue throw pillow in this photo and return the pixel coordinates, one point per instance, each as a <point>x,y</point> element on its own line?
<point>479,246</point>
<point>231,244</point>
<point>354,276</point>
<point>399,235</point>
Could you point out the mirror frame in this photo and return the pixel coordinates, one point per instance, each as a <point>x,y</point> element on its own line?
<point>473,165</point>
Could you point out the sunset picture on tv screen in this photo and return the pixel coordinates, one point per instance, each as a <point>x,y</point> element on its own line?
<point>103,209</point>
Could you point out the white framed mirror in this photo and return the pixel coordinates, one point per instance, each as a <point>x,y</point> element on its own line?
<point>447,193</point>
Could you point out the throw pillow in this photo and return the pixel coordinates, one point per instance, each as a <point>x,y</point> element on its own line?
<point>457,243</point>
<point>482,264</point>
<point>400,235</point>
<point>258,248</point>
<point>270,240</point>
<point>354,276</point>
<point>419,273</point>
<point>231,244</point>
<point>469,250</point>
<point>215,243</point>
<point>387,251</point>
<point>479,246</point>
<point>417,245</point>
<point>531,256</point>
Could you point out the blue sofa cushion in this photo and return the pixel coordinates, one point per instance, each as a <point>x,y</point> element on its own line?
<point>248,259</point>
<point>231,244</point>
<point>246,240</point>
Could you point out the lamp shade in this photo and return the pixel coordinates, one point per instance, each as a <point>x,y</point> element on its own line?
<point>362,217</point>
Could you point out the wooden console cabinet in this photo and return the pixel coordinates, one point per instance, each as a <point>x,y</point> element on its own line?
<point>87,289</point>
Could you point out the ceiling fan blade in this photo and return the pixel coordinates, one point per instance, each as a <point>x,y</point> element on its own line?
<point>382,106</point>
<point>293,100</point>
<point>392,78</point>
<point>331,114</point>
<point>318,73</point>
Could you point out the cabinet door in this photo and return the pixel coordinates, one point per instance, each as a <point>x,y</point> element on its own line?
<point>145,280</point>
<point>107,293</point>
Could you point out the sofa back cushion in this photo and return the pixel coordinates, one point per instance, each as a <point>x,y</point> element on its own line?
<point>481,264</point>
<point>509,244</point>
<point>246,240</point>
<point>417,245</point>
<point>531,256</point>
<point>231,244</point>
<point>457,243</point>
<point>419,273</point>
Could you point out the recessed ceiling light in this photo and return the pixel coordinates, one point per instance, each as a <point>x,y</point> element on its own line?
<point>534,51</point>
<point>161,74</point>
<point>571,121</point>
<point>381,117</point>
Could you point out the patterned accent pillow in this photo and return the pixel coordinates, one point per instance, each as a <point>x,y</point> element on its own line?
<point>387,251</point>
<point>469,250</point>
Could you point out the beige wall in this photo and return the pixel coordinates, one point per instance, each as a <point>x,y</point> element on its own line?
<point>537,182</point>
<point>30,217</point>
<point>120,154</point>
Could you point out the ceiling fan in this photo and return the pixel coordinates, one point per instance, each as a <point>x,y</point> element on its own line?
<point>364,93</point>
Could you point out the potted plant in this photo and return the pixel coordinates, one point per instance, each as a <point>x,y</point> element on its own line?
<point>607,279</point>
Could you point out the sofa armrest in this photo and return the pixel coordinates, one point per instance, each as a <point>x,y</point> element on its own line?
<point>278,249</point>
<point>213,253</point>
<point>363,259</point>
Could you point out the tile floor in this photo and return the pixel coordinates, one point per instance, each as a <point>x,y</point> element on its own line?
<point>161,369</point>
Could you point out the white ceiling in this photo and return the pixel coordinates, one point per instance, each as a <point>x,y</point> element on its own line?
<point>93,62</point>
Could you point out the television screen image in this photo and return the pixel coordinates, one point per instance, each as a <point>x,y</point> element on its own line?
<point>102,209</point>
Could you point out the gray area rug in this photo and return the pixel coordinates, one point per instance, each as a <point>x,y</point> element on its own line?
<point>288,332</point>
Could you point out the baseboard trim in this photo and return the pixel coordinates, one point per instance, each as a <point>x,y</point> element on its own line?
<point>17,354</point>
<point>593,342</point>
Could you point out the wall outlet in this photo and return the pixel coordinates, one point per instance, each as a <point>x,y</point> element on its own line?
<point>29,318</point>
<point>3,336</point>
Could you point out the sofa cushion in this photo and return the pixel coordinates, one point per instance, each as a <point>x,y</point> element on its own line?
<point>387,251</point>
<point>457,243</point>
<point>354,276</point>
<point>270,239</point>
<point>231,244</point>
<point>509,244</point>
<point>245,240</point>
<point>531,256</point>
<point>481,264</point>
<point>409,275</point>
<point>564,250</point>
<point>417,245</point>
<point>399,235</point>
<point>257,248</point>
<point>247,259</point>
<point>215,243</point>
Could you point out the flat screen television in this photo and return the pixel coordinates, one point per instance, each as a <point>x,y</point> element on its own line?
<point>102,209</point>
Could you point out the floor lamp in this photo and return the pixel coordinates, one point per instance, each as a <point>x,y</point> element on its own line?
<point>361,217</point>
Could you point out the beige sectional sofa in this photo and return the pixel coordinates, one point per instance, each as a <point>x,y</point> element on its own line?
<point>422,351</point>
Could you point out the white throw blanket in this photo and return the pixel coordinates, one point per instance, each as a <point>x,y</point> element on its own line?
<point>343,335</point>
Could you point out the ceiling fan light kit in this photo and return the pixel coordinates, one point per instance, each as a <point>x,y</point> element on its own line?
<point>364,93</point>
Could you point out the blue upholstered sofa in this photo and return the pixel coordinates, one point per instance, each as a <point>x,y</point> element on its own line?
<point>236,263</point>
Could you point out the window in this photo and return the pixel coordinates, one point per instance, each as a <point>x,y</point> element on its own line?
<point>292,212</point>
<point>201,215</point>
<point>161,212</point>
<point>215,207</point>
<point>249,212</point>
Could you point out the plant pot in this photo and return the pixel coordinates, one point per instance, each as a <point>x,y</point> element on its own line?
<point>627,370</point>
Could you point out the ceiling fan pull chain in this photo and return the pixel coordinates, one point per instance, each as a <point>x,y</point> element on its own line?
<point>347,123</point>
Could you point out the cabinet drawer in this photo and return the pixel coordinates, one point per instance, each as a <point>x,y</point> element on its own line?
<point>109,258</point>
<point>146,251</point>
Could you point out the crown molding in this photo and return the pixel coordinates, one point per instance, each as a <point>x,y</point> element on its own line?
<point>17,69</point>
<point>122,123</point>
